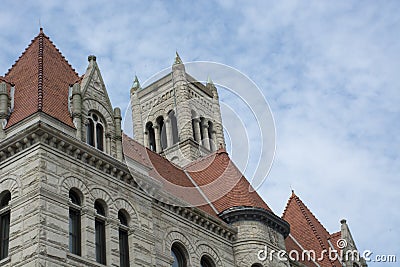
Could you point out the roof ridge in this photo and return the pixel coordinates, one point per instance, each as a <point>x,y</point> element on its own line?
<point>40,70</point>
<point>58,50</point>
<point>287,204</point>
<point>338,233</point>
<point>304,209</point>
<point>41,33</point>
<point>15,63</point>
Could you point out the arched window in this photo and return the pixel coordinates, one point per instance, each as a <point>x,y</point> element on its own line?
<point>123,239</point>
<point>174,126</point>
<point>74,222</point>
<point>202,121</point>
<point>195,127</point>
<point>162,132</point>
<point>95,131</point>
<point>100,231</point>
<point>206,261</point>
<point>210,135</point>
<point>151,136</point>
<point>5,198</point>
<point>177,252</point>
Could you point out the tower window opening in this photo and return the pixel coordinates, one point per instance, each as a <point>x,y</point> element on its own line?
<point>174,127</point>
<point>162,132</point>
<point>95,131</point>
<point>151,136</point>
<point>210,136</point>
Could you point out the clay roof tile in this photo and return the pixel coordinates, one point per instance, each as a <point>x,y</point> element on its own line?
<point>42,77</point>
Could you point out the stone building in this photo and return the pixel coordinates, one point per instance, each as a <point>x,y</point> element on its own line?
<point>76,191</point>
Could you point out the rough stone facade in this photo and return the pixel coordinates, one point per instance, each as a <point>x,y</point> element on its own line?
<point>195,108</point>
<point>43,159</point>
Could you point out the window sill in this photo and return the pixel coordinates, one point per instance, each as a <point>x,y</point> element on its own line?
<point>5,261</point>
<point>80,259</point>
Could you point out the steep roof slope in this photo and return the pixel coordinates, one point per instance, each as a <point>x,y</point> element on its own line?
<point>307,231</point>
<point>212,183</point>
<point>223,183</point>
<point>173,179</point>
<point>42,77</point>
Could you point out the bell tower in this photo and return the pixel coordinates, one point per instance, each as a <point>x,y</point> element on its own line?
<point>177,116</point>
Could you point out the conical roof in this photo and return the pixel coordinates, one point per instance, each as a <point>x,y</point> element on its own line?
<point>42,77</point>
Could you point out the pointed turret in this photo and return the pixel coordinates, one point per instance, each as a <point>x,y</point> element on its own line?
<point>178,59</point>
<point>42,77</point>
<point>135,106</point>
<point>135,85</point>
<point>210,85</point>
<point>303,223</point>
<point>178,63</point>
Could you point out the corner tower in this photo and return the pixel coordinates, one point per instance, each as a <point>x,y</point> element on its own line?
<point>177,116</point>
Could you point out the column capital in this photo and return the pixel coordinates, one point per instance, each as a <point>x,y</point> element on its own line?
<point>204,125</point>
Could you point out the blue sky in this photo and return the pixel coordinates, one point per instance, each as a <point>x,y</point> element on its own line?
<point>329,70</point>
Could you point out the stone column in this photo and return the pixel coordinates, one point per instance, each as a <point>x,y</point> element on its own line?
<point>197,134</point>
<point>204,128</point>
<point>77,109</point>
<point>3,107</point>
<point>213,140</point>
<point>107,147</point>
<point>157,138</point>
<point>146,139</point>
<point>118,133</point>
<point>168,128</point>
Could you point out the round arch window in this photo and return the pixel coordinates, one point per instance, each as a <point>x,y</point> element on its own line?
<point>95,131</point>
<point>179,256</point>
<point>206,261</point>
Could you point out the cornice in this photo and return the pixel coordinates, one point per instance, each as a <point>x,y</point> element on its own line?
<point>42,133</point>
<point>242,213</point>
<point>200,218</point>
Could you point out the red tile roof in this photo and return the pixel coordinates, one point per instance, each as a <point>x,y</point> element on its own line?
<point>223,183</point>
<point>173,178</point>
<point>216,176</point>
<point>42,77</point>
<point>307,231</point>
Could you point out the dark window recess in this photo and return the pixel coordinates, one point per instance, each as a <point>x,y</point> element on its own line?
<point>123,248</point>
<point>179,258</point>
<point>4,234</point>
<point>90,133</point>
<point>100,241</point>
<point>99,136</point>
<point>74,231</point>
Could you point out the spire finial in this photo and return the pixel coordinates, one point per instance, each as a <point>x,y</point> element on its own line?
<point>178,59</point>
<point>135,84</point>
<point>291,188</point>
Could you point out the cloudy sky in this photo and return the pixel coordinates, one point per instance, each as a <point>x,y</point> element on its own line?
<point>327,69</point>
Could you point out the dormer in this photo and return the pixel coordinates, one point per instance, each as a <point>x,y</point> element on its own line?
<point>96,122</point>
